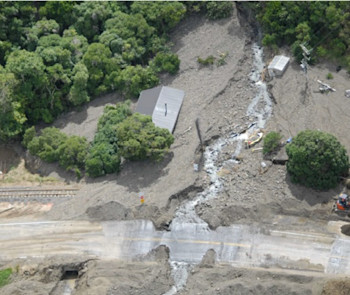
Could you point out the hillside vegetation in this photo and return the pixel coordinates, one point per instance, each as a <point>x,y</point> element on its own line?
<point>56,55</point>
<point>323,27</point>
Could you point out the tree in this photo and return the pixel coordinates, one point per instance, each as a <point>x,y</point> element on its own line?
<point>30,91</point>
<point>41,28</point>
<point>316,160</point>
<point>60,11</point>
<point>139,138</point>
<point>162,15</point>
<point>103,156</point>
<point>166,62</point>
<point>90,17</point>
<point>271,142</point>
<point>15,18</point>
<point>102,159</point>
<point>5,49</point>
<point>112,116</point>
<point>133,79</point>
<point>76,44</point>
<point>78,93</point>
<point>12,117</point>
<point>28,136</point>
<point>46,145</point>
<point>97,59</point>
<point>72,152</point>
<point>218,10</point>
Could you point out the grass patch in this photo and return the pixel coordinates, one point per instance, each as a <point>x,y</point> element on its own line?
<point>5,276</point>
<point>21,176</point>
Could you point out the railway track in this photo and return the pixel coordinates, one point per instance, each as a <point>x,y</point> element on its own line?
<point>37,192</point>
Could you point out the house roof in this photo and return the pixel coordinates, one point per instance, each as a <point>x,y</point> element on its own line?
<point>279,63</point>
<point>163,104</point>
<point>147,100</point>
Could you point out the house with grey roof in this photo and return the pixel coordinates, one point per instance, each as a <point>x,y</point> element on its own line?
<point>163,104</point>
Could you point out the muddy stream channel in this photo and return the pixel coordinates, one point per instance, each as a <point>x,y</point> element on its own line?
<point>260,110</point>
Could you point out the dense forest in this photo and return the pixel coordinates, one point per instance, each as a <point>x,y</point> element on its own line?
<point>57,55</point>
<point>323,27</point>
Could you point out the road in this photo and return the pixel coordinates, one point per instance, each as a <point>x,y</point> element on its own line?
<point>239,245</point>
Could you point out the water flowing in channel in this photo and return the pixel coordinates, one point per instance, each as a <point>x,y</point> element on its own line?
<point>259,110</point>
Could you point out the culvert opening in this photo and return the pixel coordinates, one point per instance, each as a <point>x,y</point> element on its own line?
<point>345,229</point>
<point>69,275</point>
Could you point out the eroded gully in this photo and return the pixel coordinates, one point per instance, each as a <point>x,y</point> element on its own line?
<point>186,218</point>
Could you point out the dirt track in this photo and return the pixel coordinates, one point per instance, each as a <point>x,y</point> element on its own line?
<point>218,97</point>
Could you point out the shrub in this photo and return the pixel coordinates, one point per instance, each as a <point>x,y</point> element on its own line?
<point>222,59</point>
<point>206,62</point>
<point>316,160</point>
<point>218,10</point>
<point>166,62</point>
<point>329,76</point>
<point>271,142</point>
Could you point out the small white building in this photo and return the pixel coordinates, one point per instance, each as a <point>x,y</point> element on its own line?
<point>278,65</point>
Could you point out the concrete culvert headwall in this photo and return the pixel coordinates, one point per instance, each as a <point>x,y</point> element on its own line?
<point>69,274</point>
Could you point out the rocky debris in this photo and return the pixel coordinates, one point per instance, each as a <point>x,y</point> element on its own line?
<point>161,253</point>
<point>149,275</point>
<point>27,288</point>
<point>208,260</point>
<point>184,195</point>
<point>225,279</point>
<point>43,276</point>
<point>336,287</point>
<point>112,210</point>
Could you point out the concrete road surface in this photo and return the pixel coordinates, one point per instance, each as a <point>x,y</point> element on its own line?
<point>240,245</point>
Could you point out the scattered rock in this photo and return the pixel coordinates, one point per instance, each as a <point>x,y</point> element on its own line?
<point>208,260</point>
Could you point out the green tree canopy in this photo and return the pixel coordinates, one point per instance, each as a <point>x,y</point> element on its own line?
<point>271,142</point>
<point>324,26</point>
<point>166,62</point>
<point>133,79</point>
<point>316,160</point>
<point>139,138</point>
<point>78,93</point>
<point>72,152</point>
<point>46,145</point>
<point>102,159</point>
<point>97,60</point>
<point>12,117</point>
<point>57,55</point>
<point>91,16</point>
<point>104,156</point>
<point>60,11</point>
<point>161,15</point>
<point>219,9</point>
